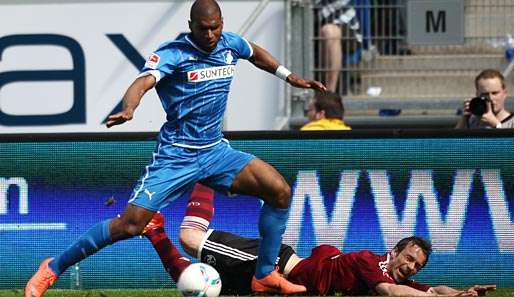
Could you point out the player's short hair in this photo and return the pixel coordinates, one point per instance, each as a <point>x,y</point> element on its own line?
<point>203,8</point>
<point>424,244</point>
<point>488,74</point>
<point>329,102</point>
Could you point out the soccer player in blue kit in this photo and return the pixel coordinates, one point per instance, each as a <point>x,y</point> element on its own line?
<point>192,77</point>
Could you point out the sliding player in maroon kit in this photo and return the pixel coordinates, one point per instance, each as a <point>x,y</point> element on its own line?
<point>326,271</point>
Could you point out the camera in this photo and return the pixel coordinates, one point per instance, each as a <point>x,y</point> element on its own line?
<point>478,105</point>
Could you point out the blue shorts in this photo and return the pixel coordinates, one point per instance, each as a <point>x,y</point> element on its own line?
<point>174,170</point>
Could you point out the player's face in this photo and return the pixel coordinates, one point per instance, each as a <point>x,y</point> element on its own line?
<point>406,263</point>
<point>206,31</point>
<point>493,88</point>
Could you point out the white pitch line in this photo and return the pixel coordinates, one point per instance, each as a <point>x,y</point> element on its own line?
<point>33,226</point>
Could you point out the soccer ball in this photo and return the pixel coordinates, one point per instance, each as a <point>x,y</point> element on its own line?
<point>199,280</point>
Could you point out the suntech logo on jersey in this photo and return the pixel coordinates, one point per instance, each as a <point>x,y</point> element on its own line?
<point>211,73</point>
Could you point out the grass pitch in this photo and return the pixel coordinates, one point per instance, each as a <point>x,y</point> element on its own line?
<point>156,293</point>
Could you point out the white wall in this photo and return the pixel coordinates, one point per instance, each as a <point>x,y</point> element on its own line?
<point>255,103</point>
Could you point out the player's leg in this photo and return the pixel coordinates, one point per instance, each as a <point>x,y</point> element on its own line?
<point>199,211</point>
<point>261,179</point>
<point>242,173</point>
<point>172,260</point>
<point>192,230</point>
<point>129,224</point>
<point>160,184</point>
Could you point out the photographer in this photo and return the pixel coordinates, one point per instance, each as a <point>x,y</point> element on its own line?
<point>487,110</point>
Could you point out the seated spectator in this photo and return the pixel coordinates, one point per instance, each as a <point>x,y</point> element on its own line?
<point>325,112</point>
<point>490,111</point>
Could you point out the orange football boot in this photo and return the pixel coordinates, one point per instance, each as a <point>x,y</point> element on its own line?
<point>41,280</point>
<point>276,283</point>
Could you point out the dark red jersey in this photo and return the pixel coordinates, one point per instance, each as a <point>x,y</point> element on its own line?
<point>329,271</point>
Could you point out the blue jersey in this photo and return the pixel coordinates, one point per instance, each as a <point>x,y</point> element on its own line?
<point>193,87</point>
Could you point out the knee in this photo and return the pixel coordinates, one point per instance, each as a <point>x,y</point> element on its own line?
<point>330,31</point>
<point>127,228</point>
<point>283,196</point>
<point>190,240</point>
<point>134,229</point>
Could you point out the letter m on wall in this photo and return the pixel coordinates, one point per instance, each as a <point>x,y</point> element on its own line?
<point>434,24</point>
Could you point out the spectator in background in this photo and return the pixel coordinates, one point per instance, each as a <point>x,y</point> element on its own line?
<point>337,19</point>
<point>325,112</point>
<point>490,85</point>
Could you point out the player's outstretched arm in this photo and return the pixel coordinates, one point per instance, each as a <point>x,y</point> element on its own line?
<point>446,291</point>
<point>476,290</point>
<point>481,290</point>
<point>388,289</point>
<point>265,61</point>
<point>131,100</point>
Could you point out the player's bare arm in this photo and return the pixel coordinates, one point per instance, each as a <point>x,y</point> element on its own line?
<point>388,289</point>
<point>447,291</point>
<point>476,290</point>
<point>131,100</point>
<point>265,61</point>
<point>481,290</point>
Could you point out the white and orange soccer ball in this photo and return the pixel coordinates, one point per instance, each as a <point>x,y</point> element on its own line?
<point>199,280</point>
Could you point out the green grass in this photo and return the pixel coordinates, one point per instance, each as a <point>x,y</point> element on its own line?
<point>155,293</point>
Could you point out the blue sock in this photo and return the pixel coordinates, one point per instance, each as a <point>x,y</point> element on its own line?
<point>89,243</point>
<point>272,224</point>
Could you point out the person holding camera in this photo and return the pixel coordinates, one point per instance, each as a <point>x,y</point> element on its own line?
<point>487,109</point>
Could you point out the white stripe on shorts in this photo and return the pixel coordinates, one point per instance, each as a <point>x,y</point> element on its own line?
<point>228,251</point>
<point>147,173</point>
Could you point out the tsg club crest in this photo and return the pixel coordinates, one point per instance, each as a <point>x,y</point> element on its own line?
<point>228,57</point>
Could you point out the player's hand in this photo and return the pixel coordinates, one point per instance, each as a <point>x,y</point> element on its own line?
<point>299,82</point>
<point>481,290</point>
<point>464,293</point>
<point>119,118</point>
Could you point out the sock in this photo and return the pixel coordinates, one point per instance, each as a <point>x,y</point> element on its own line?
<point>199,209</point>
<point>272,224</point>
<point>89,243</point>
<point>173,261</point>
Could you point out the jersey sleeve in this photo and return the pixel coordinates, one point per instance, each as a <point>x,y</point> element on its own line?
<point>240,44</point>
<point>160,63</point>
<point>370,271</point>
